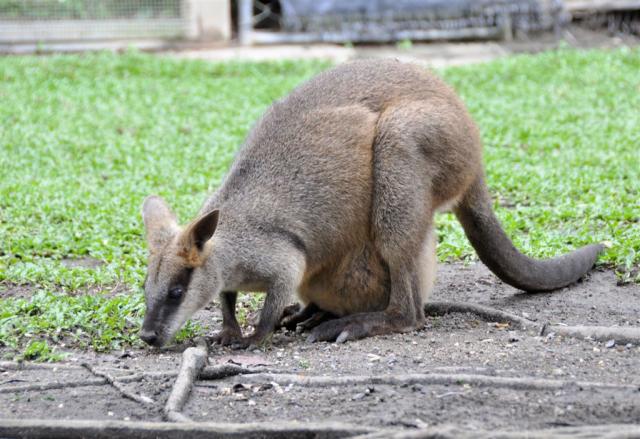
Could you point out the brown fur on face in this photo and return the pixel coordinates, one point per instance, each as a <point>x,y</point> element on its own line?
<point>332,199</point>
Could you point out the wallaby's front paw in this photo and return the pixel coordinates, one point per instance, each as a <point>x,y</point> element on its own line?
<point>226,337</point>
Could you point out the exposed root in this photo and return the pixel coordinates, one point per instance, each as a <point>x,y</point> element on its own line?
<point>612,431</point>
<point>484,312</point>
<point>68,429</point>
<point>622,335</point>
<point>53,385</point>
<point>142,399</point>
<point>601,333</point>
<point>193,361</point>
<point>25,365</point>
<point>220,371</point>
<point>430,379</point>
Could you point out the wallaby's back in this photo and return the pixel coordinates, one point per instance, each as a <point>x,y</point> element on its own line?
<point>307,167</point>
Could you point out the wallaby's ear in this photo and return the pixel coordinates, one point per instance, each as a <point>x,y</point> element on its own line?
<point>159,222</point>
<point>196,235</point>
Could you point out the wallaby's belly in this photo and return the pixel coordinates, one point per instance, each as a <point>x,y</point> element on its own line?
<point>357,282</point>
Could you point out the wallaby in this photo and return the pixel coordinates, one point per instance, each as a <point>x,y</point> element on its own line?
<point>331,200</point>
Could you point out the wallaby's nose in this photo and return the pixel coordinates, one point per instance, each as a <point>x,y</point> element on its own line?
<point>149,337</point>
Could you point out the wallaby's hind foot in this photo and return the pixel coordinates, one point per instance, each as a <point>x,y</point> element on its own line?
<point>304,319</point>
<point>317,319</point>
<point>357,326</point>
<point>289,312</point>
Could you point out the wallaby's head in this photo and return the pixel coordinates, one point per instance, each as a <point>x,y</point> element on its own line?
<point>179,280</point>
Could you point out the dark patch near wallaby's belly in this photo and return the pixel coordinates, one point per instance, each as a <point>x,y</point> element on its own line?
<point>356,282</point>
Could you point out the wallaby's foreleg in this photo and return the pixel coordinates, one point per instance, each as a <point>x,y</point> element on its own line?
<point>274,304</point>
<point>231,332</point>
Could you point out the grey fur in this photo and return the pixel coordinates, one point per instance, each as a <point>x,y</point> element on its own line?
<point>331,201</point>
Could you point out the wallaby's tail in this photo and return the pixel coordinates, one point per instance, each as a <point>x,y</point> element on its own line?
<point>495,249</point>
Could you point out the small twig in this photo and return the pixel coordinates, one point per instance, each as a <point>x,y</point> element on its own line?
<point>142,399</point>
<point>484,312</point>
<point>193,361</point>
<point>429,379</point>
<point>543,329</point>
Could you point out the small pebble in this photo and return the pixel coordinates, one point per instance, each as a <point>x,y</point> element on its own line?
<point>611,343</point>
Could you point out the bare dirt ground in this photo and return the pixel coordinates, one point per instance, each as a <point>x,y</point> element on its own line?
<point>451,344</point>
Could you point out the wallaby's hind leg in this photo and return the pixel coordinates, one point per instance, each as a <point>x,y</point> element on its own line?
<point>401,220</point>
<point>426,274</point>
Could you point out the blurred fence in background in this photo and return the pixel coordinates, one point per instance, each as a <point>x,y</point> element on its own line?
<point>81,24</point>
<point>341,21</point>
<point>57,21</point>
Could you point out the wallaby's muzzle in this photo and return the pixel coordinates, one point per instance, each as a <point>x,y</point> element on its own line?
<point>149,337</point>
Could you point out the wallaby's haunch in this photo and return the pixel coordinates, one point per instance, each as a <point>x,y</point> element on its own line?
<point>332,200</point>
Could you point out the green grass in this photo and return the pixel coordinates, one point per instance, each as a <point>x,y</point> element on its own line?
<point>561,132</point>
<point>83,139</point>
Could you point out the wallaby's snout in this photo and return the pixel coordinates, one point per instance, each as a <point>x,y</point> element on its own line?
<point>150,337</point>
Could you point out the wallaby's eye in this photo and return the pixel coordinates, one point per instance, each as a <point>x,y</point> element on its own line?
<point>175,293</point>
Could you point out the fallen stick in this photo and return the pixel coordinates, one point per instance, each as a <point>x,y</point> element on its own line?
<point>430,379</point>
<point>484,312</point>
<point>193,361</point>
<point>69,429</point>
<point>141,399</point>
<point>621,335</point>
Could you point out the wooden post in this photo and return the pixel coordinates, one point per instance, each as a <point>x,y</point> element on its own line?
<point>207,20</point>
<point>245,22</point>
